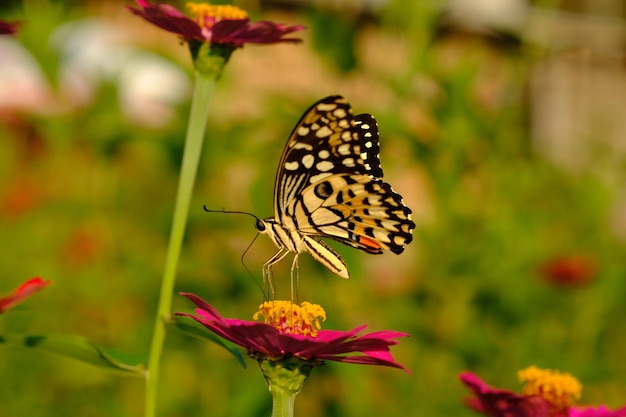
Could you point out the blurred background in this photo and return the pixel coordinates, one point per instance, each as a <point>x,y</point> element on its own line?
<point>501,125</point>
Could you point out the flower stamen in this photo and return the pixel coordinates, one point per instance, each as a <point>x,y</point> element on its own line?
<point>206,15</point>
<point>561,390</point>
<point>290,318</point>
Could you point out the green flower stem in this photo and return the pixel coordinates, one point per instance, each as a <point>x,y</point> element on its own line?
<point>285,378</point>
<point>203,88</point>
<point>282,403</point>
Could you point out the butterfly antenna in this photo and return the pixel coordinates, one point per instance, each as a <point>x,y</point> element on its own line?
<point>229,212</point>
<point>243,263</point>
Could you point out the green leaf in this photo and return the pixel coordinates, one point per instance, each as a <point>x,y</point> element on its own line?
<point>193,328</point>
<point>75,347</point>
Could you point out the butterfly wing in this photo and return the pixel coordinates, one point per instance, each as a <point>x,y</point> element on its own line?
<point>357,210</point>
<point>330,181</point>
<point>327,140</point>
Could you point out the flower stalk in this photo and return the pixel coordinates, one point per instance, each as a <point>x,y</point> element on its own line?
<point>203,89</point>
<point>285,378</point>
<point>283,404</point>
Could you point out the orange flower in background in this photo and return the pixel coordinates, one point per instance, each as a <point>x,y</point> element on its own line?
<point>82,247</point>
<point>22,292</point>
<point>19,197</point>
<point>570,270</point>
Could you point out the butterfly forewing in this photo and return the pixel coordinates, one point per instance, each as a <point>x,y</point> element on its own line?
<point>327,140</point>
<point>329,184</point>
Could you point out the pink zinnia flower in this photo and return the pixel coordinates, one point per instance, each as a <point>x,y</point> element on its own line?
<point>292,331</point>
<point>22,292</point>
<point>215,24</point>
<point>499,402</point>
<point>547,393</point>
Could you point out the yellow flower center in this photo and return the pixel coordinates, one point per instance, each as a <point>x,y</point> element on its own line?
<point>206,15</point>
<point>559,389</point>
<point>291,318</point>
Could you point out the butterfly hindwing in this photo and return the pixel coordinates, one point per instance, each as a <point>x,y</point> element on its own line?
<point>357,210</point>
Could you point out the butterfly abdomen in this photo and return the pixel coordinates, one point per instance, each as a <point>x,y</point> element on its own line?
<point>292,240</point>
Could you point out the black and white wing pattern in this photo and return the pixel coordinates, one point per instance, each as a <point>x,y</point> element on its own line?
<point>329,184</point>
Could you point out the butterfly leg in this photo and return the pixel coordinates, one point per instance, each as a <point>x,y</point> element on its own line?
<point>268,275</point>
<point>295,267</point>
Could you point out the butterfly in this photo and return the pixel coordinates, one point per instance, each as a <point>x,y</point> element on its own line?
<point>330,184</point>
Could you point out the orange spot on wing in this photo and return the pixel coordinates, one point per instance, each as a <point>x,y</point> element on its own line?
<point>370,243</point>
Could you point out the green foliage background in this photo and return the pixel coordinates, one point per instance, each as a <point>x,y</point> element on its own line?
<point>86,198</point>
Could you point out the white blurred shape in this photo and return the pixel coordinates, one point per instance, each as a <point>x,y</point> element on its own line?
<point>23,85</point>
<point>94,52</point>
<point>488,15</point>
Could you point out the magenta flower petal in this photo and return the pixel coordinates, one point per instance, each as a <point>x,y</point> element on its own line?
<point>331,345</point>
<point>502,403</point>
<point>22,292</point>
<point>170,19</point>
<point>240,32</point>
<point>600,411</point>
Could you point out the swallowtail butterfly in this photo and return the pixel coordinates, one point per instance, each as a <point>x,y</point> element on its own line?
<point>330,184</point>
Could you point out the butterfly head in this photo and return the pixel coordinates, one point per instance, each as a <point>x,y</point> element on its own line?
<point>261,225</point>
<point>268,227</point>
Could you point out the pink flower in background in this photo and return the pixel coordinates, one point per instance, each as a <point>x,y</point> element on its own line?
<point>293,331</point>
<point>216,24</point>
<point>496,402</point>
<point>22,292</point>
<point>546,393</point>
<point>8,28</point>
